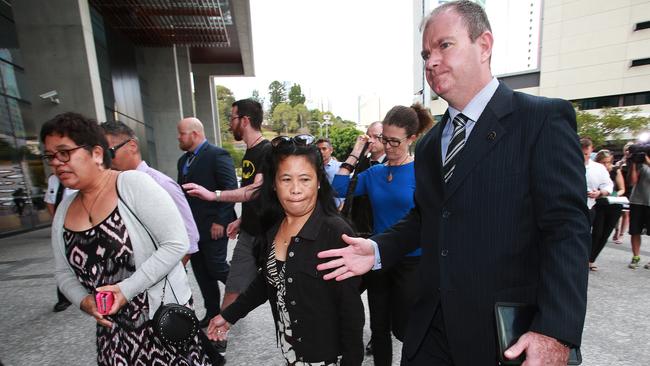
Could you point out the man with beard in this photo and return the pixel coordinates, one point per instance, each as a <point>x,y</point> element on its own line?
<point>245,125</point>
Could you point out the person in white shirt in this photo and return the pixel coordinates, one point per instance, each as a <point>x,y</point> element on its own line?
<point>599,184</point>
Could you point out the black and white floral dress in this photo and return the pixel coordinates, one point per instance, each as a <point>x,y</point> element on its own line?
<point>103,255</point>
<point>275,277</point>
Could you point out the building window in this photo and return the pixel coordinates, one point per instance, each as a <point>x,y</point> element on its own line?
<point>636,99</point>
<point>597,103</point>
<point>642,25</point>
<point>640,62</point>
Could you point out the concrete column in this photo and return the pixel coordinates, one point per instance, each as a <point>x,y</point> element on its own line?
<point>58,49</point>
<point>164,107</point>
<point>205,103</point>
<point>184,69</point>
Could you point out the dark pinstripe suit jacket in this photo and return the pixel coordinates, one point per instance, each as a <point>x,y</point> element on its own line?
<point>511,225</point>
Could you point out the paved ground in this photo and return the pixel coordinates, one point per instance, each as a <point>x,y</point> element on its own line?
<point>617,330</point>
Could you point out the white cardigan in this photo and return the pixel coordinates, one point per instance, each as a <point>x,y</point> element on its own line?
<point>156,210</point>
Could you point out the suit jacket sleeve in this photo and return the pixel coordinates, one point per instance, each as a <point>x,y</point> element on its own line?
<point>558,190</point>
<point>224,176</point>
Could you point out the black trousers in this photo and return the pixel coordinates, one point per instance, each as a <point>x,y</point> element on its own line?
<point>210,266</point>
<point>391,294</point>
<point>604,222</point>
<point>434,350</point>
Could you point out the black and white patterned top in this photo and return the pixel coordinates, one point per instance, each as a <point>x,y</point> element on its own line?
<point>275,277</point>
<point>103,255</point>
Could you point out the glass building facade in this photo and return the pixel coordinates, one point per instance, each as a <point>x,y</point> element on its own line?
<point>23,176</point>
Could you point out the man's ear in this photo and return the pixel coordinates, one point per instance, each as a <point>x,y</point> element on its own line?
<point>485,41</point>
<point>133,145</point>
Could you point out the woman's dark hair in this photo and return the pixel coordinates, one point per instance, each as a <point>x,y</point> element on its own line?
<point>80,129</point>
<point>271,208</point>
<point>414,119</point>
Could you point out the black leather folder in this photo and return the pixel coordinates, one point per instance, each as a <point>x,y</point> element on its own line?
<point>513,320</point>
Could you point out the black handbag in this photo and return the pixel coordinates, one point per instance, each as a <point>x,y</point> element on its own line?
<point>173,324</point>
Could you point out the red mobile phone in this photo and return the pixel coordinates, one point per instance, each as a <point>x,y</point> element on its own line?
<point>104,300</point>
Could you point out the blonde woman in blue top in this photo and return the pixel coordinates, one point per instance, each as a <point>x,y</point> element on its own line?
<point>390,187</point>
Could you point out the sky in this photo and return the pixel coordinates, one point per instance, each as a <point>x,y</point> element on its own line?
<point>336,50</point>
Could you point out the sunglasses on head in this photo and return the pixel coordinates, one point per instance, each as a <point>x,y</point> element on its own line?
<point>298,140</point>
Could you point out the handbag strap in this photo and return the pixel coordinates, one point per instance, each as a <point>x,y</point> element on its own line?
<point>162,298</point>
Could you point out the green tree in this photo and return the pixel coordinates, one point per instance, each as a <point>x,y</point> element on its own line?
<point>316,114</point>
<point>611,124</point>
<point>237,154</point>
<point>295,95</point>
<point>225,99</point>
<point>256,97</point>
<point>302,115</point>
<point>277,94</point>
<point>343,140</point>
<point>284,119</point>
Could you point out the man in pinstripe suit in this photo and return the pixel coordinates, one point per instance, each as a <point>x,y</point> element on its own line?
<point>500,212</point>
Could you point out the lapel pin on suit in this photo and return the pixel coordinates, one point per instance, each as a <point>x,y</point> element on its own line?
<point>492,135</point>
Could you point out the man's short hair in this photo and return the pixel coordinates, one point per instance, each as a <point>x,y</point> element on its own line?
<point>252,109</point>
<point>473,15</point>
<point>117,128</point>
<point>586,142</point>
<point>324,140</point>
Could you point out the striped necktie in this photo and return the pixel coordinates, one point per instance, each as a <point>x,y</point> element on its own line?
<point>456,145</point>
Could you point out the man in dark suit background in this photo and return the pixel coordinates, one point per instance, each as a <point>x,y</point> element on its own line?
<point>500,210</point>
<point>212,167</point>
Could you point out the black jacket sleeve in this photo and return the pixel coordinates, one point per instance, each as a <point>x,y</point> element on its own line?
<point>224,176</point>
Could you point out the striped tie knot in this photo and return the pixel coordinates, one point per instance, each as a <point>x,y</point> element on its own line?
<point>459,121</point>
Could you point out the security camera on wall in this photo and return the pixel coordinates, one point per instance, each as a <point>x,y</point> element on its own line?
<point>52,96</point>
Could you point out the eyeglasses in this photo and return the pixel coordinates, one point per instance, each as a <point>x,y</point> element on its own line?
<point>232,118</point>
<point>113,150</point>
<point>391,142</point>
<point>61,155</point>
<point>298,140</point>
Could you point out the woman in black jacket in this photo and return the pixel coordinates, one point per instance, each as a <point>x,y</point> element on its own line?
<point>317,321</point>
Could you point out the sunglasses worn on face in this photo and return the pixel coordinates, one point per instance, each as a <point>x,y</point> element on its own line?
<point>61,155</point>
<point>391,142</point>
<point>113,150</point>
<point>281,142</point>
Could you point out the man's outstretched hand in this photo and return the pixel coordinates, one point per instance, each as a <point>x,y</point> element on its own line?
<point>196,190</point>
<point>354,260</point>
